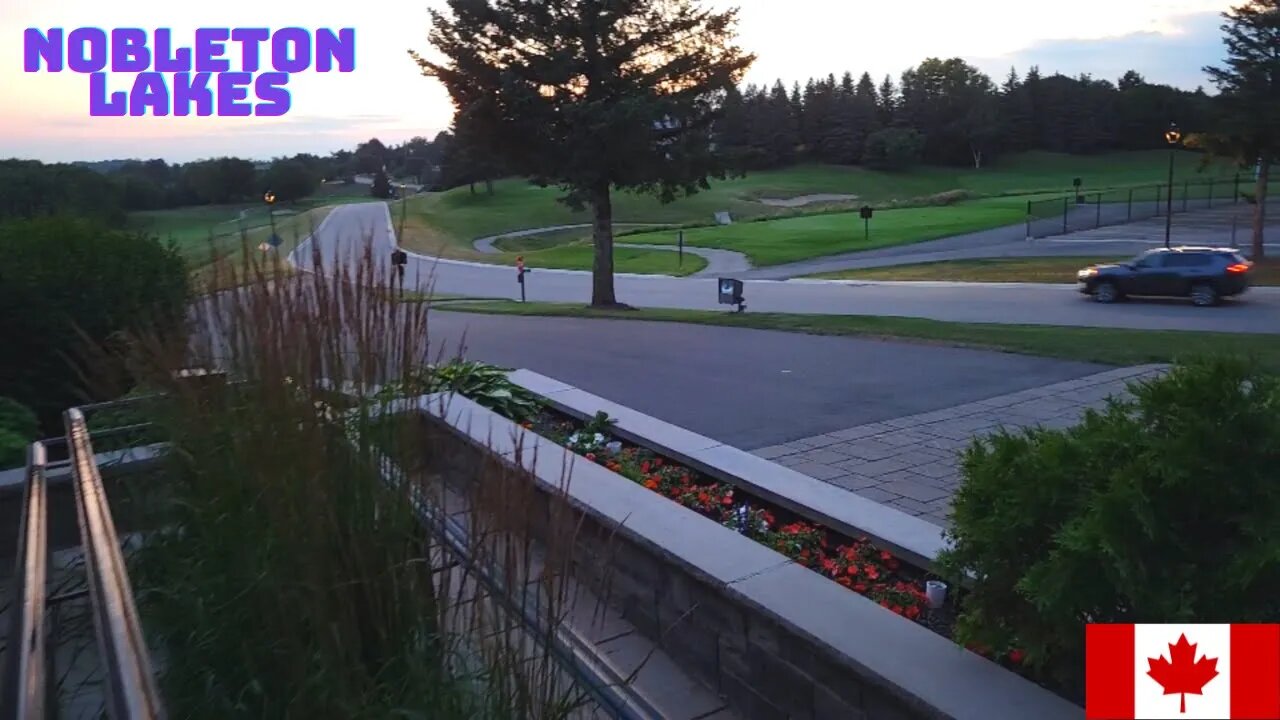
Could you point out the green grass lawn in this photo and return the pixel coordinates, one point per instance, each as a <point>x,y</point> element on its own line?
<point>1030,270</point>
<point>1103,345</point>
<point>579,256</point>
<point>192,228</point>
<point>797,238</point>
<point>446,223</point>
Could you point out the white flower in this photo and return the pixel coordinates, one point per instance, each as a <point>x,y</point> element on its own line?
<point>599,439</point>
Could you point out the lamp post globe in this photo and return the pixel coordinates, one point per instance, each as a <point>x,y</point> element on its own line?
<point>269,197</point>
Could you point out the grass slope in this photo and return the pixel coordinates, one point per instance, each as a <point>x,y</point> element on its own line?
<point>1031,270</point>
<point>1104,345</point>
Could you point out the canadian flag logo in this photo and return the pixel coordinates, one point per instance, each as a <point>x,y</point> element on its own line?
<point>1218,672</point>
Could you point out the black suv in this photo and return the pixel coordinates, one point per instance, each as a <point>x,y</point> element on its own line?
<point>1203,274</point>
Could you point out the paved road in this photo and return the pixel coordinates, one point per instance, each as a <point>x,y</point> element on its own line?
<point>747,388</point>
<point>349,230</point>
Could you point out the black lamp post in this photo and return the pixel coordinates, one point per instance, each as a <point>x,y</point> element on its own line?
<point>1172,136</point>
<point>270,199</point>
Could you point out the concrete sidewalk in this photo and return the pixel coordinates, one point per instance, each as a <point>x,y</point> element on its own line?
<point>911,463</point>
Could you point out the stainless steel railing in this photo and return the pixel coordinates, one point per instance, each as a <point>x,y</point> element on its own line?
<point>131,691</point>
<point>23,690</point>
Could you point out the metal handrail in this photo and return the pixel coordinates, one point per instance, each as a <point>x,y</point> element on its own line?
<point>23,688</point>
<point>131,692</point>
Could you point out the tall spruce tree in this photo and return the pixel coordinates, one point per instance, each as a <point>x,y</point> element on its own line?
<point>1250,98</point>
<point>592,95</point>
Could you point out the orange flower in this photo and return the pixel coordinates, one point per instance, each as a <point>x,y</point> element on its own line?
<point>651,484</point>
<point>913,612</point>
<point>843,581</point>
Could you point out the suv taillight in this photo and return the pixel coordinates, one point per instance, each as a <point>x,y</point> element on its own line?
<point>1238,267</point>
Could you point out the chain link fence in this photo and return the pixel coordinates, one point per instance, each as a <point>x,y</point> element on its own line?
<point>1089,210</point>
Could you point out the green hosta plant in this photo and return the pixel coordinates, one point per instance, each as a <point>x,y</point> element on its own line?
<point>487,385</point>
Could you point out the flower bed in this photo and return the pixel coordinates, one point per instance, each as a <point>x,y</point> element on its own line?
<point>854,563</point>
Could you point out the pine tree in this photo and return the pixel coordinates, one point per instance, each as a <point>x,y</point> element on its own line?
<point>887,102</point>
<point>1250,97</point>
<point>591,95</point>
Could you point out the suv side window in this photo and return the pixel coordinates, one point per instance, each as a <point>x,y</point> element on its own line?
<point>1151,261</point>
<point>1188,260</point>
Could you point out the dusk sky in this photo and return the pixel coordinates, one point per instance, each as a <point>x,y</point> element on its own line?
<point>46,115</point>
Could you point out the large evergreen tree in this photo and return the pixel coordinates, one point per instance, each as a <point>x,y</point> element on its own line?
<point>593,95</point>
<point>1250,97</point>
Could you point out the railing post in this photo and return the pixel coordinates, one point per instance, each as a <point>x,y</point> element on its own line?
<point>1065,207</point>
<point>1186,192</point>
<point>1129,209</point>
<point>1210,192</point>
<point>1028,219</point>
<point>1159,196</point>
<point>1235,193</point>
<point>25,687</point>
<point>1098,206</point>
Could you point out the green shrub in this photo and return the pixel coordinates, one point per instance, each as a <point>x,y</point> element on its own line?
<point>18,427</point>
<point>68,287</point>
<point>1161,509</point>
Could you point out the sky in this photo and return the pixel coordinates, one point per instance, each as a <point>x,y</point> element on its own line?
<point>47,114</point>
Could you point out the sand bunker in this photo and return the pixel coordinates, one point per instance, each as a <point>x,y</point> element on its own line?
<point>803,200</point>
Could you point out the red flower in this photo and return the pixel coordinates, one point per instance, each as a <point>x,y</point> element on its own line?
<point>913,612</point>
<point>853,570</point>
<point>804,554</point>
<point>591,457</point>
<point>829,565</point>
<point>644,466</point>
<point>727,499</point>
<point>657,462</point>
<point>860,588</point>
<point>885,555</point>
<point>1016,656</point>
<point>884,603</point>
<point>872,572</point>
<point>703,498</point>
<point>897,609</point>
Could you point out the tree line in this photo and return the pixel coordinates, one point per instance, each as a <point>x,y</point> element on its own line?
<point>947,112</point>
<point>106,191</point>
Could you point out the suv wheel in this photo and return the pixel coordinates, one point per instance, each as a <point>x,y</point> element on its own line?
<point>1106,292</point>
<point>1204,295</point>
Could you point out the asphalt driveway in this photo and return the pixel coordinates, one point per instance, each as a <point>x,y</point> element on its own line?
<point>747,388</point>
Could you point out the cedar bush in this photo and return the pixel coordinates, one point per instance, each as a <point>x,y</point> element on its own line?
<point>18,428</point>
<point>69,288</point>
<point>1160,509</point>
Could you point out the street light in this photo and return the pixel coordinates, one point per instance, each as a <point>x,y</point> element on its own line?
<point>270,199</point>
<point>1173,136</point>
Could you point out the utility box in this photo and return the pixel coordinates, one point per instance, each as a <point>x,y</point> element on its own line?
<point>731,292</point>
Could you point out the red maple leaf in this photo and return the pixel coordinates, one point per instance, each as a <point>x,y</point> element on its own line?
<point>1182,673</point>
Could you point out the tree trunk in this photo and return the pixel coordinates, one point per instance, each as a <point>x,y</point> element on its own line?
<point>473,187</point>
<point>977,158</point>
<point>602,294</point>
<point>488,185</point>
<point>1260,210</point>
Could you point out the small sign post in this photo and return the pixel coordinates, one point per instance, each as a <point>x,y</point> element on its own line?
<point>680,244</point>
<point>865,212</point>
<point>399,259</point>
<point>520,271</point>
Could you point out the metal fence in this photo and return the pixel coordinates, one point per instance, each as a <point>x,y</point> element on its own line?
<point>1088,210</point>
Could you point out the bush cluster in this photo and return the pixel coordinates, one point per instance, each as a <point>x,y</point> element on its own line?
<point>69,287</point>
<point>1163,508</point>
